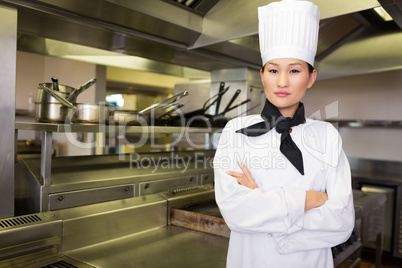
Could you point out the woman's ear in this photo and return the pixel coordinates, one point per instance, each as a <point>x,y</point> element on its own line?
<point>313,77</point>
<point>262,75</point>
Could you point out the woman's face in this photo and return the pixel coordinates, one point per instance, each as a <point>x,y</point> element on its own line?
<point>285,83</point>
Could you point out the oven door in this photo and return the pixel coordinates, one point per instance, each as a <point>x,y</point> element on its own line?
<point>388,214</point>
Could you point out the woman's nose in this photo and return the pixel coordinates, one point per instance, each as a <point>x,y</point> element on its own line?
<point>282,80</point>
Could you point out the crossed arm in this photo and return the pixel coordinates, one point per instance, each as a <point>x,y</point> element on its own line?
<point>313,198</point>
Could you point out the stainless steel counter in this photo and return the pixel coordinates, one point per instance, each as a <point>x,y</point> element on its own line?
<point>133,232</point>
<point>166,247</point>
<point>83,180</point>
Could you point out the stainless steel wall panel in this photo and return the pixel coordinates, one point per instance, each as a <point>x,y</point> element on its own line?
<point>150,187</point>
<point>93,224</point>
<point>80,198</point>
<point>207,178</point>
<point>8,54</point>
<point>28,190</point>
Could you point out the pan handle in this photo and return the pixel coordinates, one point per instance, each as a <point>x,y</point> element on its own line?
<point>171,109</point>
<point>55,83</point>
<point>231,102</point>
<point>86,85</point>
<point>164,103</point>
<point>233,107</point>
<point>215,97</point>
<point>174,98</point>
<point>56,95</point>
<point>80,89</point>
<point>218,100</point>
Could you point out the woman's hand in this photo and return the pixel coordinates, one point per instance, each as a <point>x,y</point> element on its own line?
<point>315,199</point>
<point>244,178</point>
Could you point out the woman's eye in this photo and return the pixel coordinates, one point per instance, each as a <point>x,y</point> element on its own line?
<point>273,71</point>
<point>294,71</point>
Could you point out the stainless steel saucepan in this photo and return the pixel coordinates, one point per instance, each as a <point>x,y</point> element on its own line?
<point>49,92</point>
<point>54,101</point>
<point>90,113</point>
<point>80,113</point>
<point>51,112</point>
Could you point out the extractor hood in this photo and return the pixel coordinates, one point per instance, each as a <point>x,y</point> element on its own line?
<point>209,34</point>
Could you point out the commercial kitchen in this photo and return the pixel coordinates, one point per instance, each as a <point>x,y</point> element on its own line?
<point>112,110</point>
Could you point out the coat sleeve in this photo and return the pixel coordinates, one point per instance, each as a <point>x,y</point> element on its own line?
<point>332,223</point>
<point>279,210</point>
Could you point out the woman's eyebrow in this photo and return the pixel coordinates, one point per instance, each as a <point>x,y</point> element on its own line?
<point>290,64</point>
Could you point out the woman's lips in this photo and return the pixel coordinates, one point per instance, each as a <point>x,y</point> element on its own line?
<point>282,94</point>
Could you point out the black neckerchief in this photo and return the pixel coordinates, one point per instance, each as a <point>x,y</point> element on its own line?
<point>273,118</point>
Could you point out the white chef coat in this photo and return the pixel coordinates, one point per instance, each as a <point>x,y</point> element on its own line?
<point>269,227</point>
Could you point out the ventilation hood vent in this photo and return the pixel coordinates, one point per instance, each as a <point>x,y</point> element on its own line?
<point>200,7</point>
<point>209,35</point>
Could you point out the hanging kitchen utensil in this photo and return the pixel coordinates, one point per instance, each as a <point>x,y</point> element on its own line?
<point>218,100</point>
<point>73,96</point>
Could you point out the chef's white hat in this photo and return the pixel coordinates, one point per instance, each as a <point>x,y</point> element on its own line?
<point>288,29</point>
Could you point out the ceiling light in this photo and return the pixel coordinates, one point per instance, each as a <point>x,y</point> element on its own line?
<point>382,13</point>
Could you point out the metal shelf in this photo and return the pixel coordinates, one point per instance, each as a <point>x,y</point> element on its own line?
<point>101,128</point>
<point>47,130</point>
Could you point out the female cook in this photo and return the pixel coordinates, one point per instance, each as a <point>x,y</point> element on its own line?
<point>283,182</point>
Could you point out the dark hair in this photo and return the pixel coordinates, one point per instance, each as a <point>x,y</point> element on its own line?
<point>310,68</point>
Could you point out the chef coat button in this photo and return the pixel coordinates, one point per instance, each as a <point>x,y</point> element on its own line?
<point>269,235</point>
